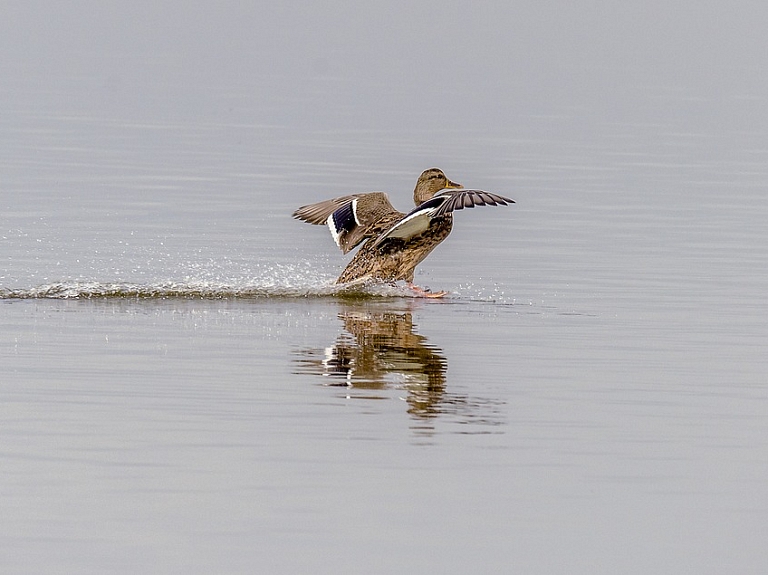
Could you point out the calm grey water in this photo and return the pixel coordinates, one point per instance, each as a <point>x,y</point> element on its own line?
<point>183,390</point>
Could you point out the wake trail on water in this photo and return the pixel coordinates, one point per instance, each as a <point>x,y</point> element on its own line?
<point>273,281</point>
<point>277,281</point>
<point>197,290</point>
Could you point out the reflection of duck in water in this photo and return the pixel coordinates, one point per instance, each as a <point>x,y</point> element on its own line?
<point>378,348</point>
<point>395,243</point>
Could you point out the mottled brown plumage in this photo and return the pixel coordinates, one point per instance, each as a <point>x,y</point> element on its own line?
<point>396,259</point>
<point>395,243</point>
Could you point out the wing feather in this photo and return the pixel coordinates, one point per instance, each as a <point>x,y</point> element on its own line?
<point>351,219</point>
<point>460,199</point>
<point>444,202</point>
<point>318,213</point>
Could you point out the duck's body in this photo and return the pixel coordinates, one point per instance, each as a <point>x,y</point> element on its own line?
<point>395,243</point>
<point>396,259</point>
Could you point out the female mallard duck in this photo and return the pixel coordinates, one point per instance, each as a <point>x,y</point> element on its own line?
<point>396,242</point>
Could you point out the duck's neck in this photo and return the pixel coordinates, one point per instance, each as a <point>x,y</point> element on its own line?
<point>421,195</point>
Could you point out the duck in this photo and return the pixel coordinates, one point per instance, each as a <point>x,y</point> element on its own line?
<point>393,242</point>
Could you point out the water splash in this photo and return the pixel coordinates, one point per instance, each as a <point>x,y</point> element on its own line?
<point>201,289</point>
<point>492,293</point>
<point>224,280</point>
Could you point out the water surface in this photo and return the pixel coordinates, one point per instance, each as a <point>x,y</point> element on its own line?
<point>184,389</point>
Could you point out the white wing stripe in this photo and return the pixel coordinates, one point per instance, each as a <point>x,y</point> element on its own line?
<point>334,232</point>
<point>413,225</point>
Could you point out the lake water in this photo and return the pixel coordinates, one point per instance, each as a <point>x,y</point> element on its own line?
<point>183,389</point>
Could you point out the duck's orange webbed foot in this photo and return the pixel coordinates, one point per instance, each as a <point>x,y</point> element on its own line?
<point>426,293</point>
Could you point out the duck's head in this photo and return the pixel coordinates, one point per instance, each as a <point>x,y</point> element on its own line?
<point>430,182</point>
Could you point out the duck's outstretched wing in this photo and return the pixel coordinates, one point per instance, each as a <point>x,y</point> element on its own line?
<point>351,219</point>
<point>318,213</point>
<point>443,202</point>
<point>449,200</point>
